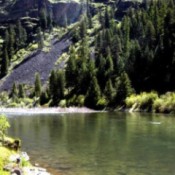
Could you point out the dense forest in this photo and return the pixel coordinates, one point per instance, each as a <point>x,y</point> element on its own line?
<point>112,55</point>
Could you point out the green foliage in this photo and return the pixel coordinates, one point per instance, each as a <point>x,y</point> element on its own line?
<point>80,100</point>
<point>165,103</point>
<point>4,125</point>
<point>21,93</point>
<point>14,92</point>
<point>44,98</point>
<point>102,103</point>
<point>123,88</point>
<point>93,94</point>
<point>143,101</point>
<point>62,103</point>
<point>56,86</point>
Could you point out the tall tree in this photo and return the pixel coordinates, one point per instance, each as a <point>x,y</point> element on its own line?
<point>5,63</point>
<point>21,93</point>
<point>37,91</point>
<point>93,94</point>
<point>40,38</point>
<point>14,92</point>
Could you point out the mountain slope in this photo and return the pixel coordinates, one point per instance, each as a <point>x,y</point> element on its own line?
<point>40,62</point>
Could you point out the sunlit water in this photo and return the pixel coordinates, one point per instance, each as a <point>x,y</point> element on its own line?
<point>99,143</point>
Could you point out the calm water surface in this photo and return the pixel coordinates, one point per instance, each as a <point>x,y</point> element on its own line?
<point>99,143</point>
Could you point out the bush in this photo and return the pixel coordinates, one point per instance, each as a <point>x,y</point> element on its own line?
<point>144,101</point>
<point>165,104</point>
<point>62,103</point>
<point>102,103</point>
<point>80,100</point>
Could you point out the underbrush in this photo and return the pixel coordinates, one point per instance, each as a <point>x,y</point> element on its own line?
<point>152,102</point>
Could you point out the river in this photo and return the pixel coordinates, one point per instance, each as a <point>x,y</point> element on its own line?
<point>98,143</point>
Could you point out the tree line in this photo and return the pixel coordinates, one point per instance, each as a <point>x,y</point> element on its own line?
<point>119,58</point>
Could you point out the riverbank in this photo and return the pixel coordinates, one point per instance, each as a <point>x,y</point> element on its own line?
<point>55,110</point>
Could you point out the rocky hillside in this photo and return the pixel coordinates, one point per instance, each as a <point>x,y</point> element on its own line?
<point>37,62</point>
<point>11,10</point>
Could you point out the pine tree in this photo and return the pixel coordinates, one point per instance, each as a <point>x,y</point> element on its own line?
<point>109,91</point>
<point>71,68</point>
<point>61,84</point>
<point>40,39</point>
<point>6,40</point>
<point>43,17</point>
<point>44,98</point>
<point>109,65</point>
<point>21,35</point>
<point>123,88</point>
<point>21,93</point>
<point>4,63</point>
<point>101,65</point>
<point>14,92</point>
<point>52,83</point>
<point>37,91</point>
<point>12,36</point>
<point>83,28</point>
<point>93,94</point>
<point>107,18</point>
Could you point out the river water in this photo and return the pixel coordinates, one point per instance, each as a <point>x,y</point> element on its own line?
<point>98,143</point>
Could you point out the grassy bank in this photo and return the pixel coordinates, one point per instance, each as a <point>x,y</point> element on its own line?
<point>4,156</point>
<point>152,102</point>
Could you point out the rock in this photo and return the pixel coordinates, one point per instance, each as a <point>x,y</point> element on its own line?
<point>31,8</point>
<point>34,171</point>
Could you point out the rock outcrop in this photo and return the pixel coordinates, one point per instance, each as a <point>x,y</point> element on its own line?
<point>13,10</point>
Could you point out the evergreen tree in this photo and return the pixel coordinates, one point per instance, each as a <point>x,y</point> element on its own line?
<point>21,93</point>
<point>21,35</point>
<point>4,63</point>
<point>107,18</point>
<point>12,36</point>
<point>109,65</point>
<point>83,28</point>
<point>52,83</point>
<point>44,98</point>
<point>7,40</point>
<point>71,68</point>
<point>43,17</point>
<point>123,88</point>
<point>101,65</point>
<point>93,94</point>
<point>61,84</point>
<point>14,92</point>
<point>40,39</point>
<point>109,91</point>
<point>37,91</point>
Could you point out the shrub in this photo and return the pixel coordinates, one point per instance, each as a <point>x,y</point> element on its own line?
<point>165,104</point>
<point>102,103</point>
<point>62,103</point>
<point>80,100</point>
<point>144,100</point>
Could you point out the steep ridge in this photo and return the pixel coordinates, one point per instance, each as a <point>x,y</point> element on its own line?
<point>40,62</point>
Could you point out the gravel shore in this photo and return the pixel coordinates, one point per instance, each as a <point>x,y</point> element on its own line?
<point>46,110</point>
